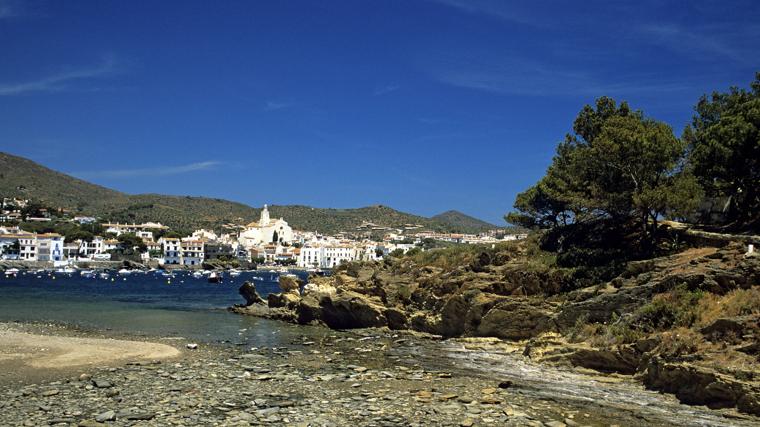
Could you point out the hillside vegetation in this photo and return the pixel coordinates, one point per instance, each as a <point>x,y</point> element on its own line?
<point>462,221</point>
<point>20,177</point>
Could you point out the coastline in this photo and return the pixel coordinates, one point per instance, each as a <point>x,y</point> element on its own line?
<point>359,377</point>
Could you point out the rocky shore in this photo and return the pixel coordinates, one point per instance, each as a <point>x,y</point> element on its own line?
<point>365,377</point>
<point>616,327</point>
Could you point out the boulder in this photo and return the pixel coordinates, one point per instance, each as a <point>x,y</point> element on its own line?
<point>396,319</point>
<point>248,291</point>
<point>346,310</point>
<point>318,289</point>
<point>284,299</point>
<point>289,284</point>
<point>517,319</point>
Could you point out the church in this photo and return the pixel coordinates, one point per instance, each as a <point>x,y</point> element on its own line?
<point>266,231</point>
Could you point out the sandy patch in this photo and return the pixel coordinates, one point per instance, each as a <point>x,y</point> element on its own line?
<point>58,352</point>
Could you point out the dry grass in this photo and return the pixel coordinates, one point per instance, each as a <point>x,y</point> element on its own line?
<point>681,342</point>
<point>738,302</point>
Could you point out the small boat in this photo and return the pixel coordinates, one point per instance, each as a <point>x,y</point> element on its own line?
<point>11,272</point>
<point>104,276</point>
<point>88,274</point>
<point>124,271</point>
<point>234,273</point>
<point>197,274</point>
<point>168,274</point>
<point>214,277</point>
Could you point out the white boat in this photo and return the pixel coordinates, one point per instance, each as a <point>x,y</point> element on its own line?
<point>87,274</point>
<point>104,276</point>
<point>11,272</point>
<point>234,273</point>
<point>197,274</point>
<point>124,271</point>
<point>213,277</point>
<point>167,274</point>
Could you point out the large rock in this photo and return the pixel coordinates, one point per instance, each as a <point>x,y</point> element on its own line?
<point>731,328</point>
<point>248,291</point>
<point>318,290</point>
<point>284,299</point>
<point>517,319</point>
<point>700,386</point>
<point>289,284</point>
<point>346,310</point>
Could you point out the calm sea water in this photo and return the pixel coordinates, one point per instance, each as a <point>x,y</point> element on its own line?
<point>145,304</point>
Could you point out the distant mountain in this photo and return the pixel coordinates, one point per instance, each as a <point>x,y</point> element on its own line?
<point>458,220</point>
<point>20,177</point>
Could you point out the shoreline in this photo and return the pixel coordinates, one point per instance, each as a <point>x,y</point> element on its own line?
<point>325,377</point>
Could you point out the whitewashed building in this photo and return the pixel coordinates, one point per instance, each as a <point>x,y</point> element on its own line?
<point>170,247</point>
<point>41,247</point>
<point>266,231</point>
<point>192,252</point>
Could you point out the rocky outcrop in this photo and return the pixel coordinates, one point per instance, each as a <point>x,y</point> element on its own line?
<point>516,320</point>
<point>248,292</point>
<point>696,385</point>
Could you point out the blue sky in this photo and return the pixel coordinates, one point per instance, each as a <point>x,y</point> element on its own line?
<point>421,105</point>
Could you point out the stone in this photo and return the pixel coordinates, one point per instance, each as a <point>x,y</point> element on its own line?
<point>141,416</point>
<point>105,416</point>
<point>100,383</point>
<point>516,320</point>
<point>248,291</point>
<point>192,346</point>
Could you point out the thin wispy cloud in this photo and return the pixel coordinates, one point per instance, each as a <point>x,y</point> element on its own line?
<point>153,171</point>
<point>508,11</point>
<point>385,90</point>
<point>275,106</point>
<point>705,42</point>
<point>519,76</point>
<point>61,81</point>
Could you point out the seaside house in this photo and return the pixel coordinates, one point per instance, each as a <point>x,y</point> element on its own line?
<point>41,247</point>
<point>192,252</point>
<point>50,247</point>
<point>170,247</point>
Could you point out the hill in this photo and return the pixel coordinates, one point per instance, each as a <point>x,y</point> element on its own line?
<point>461,221</point>
<point>20,177</point>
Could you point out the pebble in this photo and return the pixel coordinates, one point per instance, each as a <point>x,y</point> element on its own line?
<point>105,416</point>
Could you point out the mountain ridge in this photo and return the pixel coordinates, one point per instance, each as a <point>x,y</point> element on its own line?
<point>459,219</point>
<point>22,177</point>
